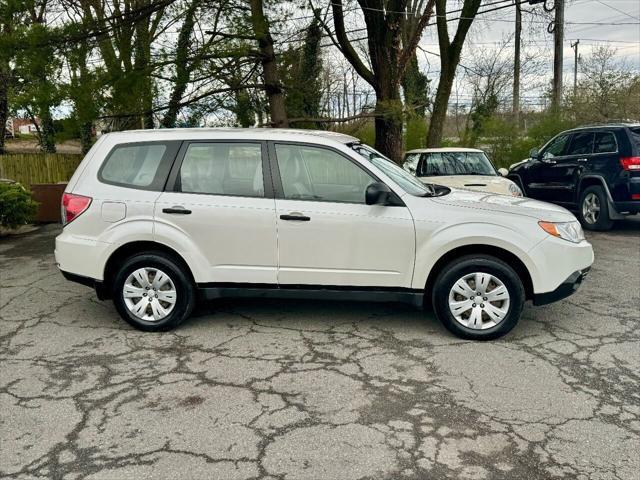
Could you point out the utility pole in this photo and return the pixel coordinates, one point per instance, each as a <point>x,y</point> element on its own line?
<point>574,45</point>
<point>558,38</point>
<point>516,67</point>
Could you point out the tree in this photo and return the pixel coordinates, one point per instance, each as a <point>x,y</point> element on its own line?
<point>272,84</point>
<point>391,48</point>
<point>608,89</point>
<point>303,82</point>
<point>449,59</point>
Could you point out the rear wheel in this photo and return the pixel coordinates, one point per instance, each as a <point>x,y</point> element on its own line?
<point>153,292</point>
<point>478,297</point>
<point>594,209</point>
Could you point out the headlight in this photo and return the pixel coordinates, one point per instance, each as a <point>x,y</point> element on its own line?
<point>514,190</point>
<point>571,231</point>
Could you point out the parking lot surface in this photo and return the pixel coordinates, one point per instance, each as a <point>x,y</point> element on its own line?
<point>317,390</point>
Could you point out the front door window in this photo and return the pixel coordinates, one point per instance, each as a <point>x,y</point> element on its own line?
<point>313,173</point>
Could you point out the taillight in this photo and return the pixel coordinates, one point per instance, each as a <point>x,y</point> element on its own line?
<point>72,206</point>
<point>630,163</point>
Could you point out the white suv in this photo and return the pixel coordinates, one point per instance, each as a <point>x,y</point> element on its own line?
<point>155,219</point>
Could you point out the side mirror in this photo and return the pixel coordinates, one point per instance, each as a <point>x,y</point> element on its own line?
<point>377,193</point>
<point>503,171</point>
<point>534,153</point>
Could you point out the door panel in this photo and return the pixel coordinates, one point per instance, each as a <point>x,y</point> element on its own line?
<point>219,204</point>
<point>345,244</point>
<point>553,177</point>
<point>339,240</point>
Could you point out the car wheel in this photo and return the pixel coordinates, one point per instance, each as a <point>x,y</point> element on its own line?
<point>594,209</point>
<point>478,297</point>
<point>153,292</point>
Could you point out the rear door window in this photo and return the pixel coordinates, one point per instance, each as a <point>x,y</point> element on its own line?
<point>222,169</point>
<point>143,166</point>
<point>581,144</point>
<point>605,142</point>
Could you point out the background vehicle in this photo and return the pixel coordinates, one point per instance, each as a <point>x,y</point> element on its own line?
<point>467,168</point>
<point>594,170</point>
<point>153,218</point>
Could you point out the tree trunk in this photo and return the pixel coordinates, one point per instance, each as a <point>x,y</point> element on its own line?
<point>4,103</point>
<point>143,71</point>
<point>389,122</point>
<point>516,67</point>
<point>440,106</point>
<point>183,71</point>
<point>272,84</point>
<point>86,137</point>
<point>47,131</point>
<point>449,60</point>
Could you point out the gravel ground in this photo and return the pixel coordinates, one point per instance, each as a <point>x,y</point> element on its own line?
<point>317,390</point>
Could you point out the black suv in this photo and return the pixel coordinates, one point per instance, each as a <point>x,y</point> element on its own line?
<point>594,170</point>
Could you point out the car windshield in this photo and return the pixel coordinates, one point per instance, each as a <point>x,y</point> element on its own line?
<point>409,183</point>
<point>455,163</point>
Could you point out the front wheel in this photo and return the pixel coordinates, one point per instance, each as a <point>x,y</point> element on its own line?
<point>478,297</point>
<point>153,292</point>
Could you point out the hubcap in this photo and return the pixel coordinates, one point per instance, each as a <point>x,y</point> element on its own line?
<point>591,208</point>
<point>479,301</point>
<point>149,294</point>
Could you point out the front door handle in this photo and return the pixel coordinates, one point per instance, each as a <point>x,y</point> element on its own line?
<point>582,159</point>
<point>296,217</point>
<point>177,210</point>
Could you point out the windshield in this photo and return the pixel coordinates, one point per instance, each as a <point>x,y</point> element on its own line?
<point>455,163</point>
<point>409,183</point>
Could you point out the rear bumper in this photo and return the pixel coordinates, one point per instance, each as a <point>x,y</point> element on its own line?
<point>97,285</point>
<point>630,207</point>
<point>566,288</point>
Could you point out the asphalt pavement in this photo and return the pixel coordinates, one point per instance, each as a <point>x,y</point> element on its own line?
<point>317,390</point>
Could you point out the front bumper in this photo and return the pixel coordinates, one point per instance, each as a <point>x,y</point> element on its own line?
<point>566,288</point>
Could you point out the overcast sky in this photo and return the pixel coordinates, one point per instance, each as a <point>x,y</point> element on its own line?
<point>594,22</point>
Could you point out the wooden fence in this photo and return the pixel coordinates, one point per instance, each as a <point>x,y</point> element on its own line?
<point>31,168</point>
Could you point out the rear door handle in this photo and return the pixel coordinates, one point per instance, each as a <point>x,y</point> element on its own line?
<point>296,217</point>
<point>582,159</point>
<point>178,210</point>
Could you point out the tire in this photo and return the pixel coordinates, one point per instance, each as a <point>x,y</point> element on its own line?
<point>496,318</point>
<point>147,267</point>
<point>592,198</point>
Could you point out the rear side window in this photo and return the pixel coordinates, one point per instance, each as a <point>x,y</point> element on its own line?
<point>635,135</point>
<point>222,169</point>
<point>605,142</point>
<point>582,144</point>
<point>144,166</point>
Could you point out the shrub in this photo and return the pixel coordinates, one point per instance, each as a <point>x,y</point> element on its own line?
<point>16,205</point>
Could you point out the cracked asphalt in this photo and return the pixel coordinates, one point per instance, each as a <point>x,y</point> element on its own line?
<point>317,390</point>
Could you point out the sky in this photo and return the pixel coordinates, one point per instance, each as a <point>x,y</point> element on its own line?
<point>594,22</point>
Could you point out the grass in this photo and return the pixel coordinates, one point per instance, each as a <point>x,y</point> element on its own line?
<point>32,168</point>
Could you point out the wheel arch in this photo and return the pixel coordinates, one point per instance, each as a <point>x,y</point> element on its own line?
<point>131,248</point>
<point>474,249</point>
<point>592,181</point>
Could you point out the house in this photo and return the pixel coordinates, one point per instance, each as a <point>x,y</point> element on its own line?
<point>24,126</point>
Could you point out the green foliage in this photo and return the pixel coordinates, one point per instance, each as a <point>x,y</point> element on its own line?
<point>364,131</point>
<point>301,71</point>
<point>506,145</point>
<point>416,88</point>
<point>16,205</point>
<point>415,133</point>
